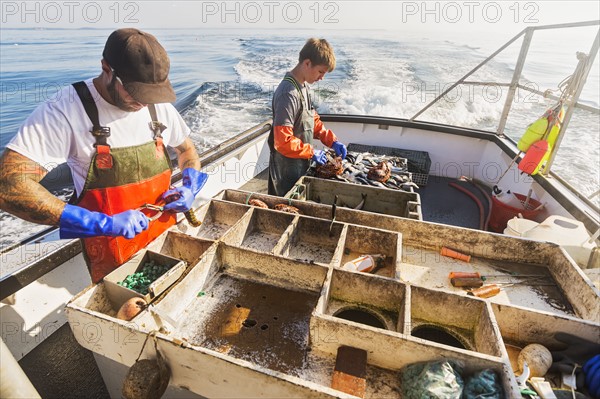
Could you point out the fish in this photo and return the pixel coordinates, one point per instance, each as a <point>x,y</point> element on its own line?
<point>355,169</point>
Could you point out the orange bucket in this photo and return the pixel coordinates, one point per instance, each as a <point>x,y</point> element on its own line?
<point>502,213</point>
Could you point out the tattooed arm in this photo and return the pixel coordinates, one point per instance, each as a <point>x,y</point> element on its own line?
<point>187,154</point>
<point>21,193</point>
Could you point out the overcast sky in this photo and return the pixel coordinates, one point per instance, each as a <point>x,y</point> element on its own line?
<point>492,16</point>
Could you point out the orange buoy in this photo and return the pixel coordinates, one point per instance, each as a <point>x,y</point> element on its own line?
<point>534,157</point>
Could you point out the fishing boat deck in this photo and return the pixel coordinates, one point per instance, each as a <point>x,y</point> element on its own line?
<point>64,369</point>
<point>441,203</point>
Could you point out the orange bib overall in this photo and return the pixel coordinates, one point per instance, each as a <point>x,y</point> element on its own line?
<point>120,179</point>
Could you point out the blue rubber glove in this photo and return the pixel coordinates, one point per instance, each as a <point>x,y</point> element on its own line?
<point>78,222</point>
<point>319,157</point>
<point>340,149</point>
<point>181,198</point>
<point>592,376</point>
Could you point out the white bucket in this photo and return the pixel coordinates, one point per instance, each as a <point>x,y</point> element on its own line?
<point>568,233</point>
<point>517,227</point>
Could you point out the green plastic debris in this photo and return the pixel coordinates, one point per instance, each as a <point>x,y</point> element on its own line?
<point>141,280</point>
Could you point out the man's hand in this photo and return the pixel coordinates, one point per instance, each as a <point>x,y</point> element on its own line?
<point>180,199</point>
<point>77,222</point>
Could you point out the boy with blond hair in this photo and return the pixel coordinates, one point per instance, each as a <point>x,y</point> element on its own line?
<point>295,121</point>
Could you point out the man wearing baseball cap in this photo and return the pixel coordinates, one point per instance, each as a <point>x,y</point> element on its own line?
<point>112,131</point>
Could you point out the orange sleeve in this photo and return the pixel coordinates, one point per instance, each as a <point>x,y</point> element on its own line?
<point>325,135</point>
<point>289,145</point>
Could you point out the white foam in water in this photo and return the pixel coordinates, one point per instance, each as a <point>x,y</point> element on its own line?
<point>15,229</point>
<point>223,113</point>
<point>399,82</point>
<point>254,72</point>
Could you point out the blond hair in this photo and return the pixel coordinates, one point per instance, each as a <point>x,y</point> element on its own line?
<point>319,52</point>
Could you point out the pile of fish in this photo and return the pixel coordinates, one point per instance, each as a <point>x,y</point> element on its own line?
<point>365,168</point>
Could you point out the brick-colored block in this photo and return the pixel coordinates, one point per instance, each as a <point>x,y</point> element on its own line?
<point>350,371</point>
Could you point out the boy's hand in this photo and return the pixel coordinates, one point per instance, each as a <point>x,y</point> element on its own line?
<point>340,149</point>
<point>319,157</point>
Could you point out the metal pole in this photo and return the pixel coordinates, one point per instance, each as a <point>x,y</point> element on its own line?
<point>587,62</point>
<point>569,25</point>
<point>515,79</point>
<point>588,108</point>
<point>468,74</point>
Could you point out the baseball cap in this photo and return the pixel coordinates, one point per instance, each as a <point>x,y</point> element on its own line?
<point>142,64</point>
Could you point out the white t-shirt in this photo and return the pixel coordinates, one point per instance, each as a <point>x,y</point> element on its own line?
<point>58,131</point>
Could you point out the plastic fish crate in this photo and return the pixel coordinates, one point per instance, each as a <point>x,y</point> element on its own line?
<point>419,162</point>
<point>376,200</point>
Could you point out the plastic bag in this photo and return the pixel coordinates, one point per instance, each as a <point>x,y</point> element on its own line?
<point>433,380</point>
<point>483,385</point>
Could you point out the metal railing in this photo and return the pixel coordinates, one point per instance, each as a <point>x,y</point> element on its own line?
<point>571,93</point>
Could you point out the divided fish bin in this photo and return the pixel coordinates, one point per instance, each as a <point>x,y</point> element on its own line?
<point>453,320</point>
<point>365,198</point>
<point>366,300</point>
<point>363,241</point>
<point>311,240</point>
<point>373,315</point>
<point>107,297</point>
<point>217,217</point>
<point>260,229</point>
<point>247,305</point>
<point>264,309</point>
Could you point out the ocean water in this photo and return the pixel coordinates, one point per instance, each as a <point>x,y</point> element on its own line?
<point>224,81</point>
